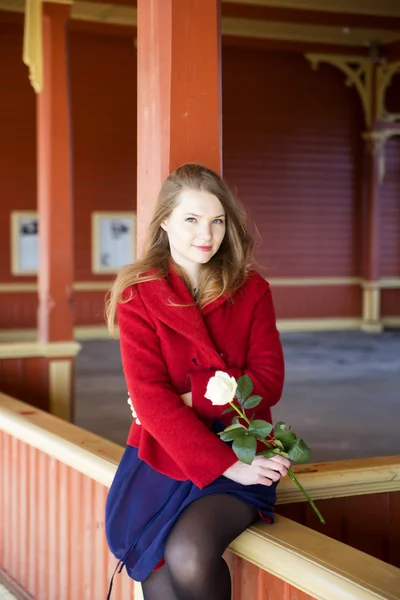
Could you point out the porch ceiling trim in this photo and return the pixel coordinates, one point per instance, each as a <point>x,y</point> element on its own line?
<point>112,14</point>
<point>386,8</point>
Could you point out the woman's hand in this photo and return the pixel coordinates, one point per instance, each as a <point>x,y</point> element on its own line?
<point>262,470</point>
<point>187,399</point>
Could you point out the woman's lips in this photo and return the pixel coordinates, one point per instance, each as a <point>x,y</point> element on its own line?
<point>204,248</point>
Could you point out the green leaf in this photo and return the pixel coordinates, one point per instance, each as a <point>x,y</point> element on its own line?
<point>228,410</point>
<point>300,452</point>
<point>261,428</point>
<point>286,436</point>
<point>252,401</point>
<point>235,420</point>
<point>245,448</point>
<point>279,444</point>
<point>232,432</point>
<point>267,453</point>
<point>244,388</point>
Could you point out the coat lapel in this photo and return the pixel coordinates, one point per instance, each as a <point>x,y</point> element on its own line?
<point>160,296</point>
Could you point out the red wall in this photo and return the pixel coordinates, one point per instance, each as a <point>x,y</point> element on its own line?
<point>103,102</point>
<point>17,141</point>
<point>292,148</point>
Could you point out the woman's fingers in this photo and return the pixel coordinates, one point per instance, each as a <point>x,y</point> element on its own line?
<point>279,467</point>
<point>281,459</point>
<point>133,411</point>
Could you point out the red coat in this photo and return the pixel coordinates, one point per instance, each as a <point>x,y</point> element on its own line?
<point>168,350</point>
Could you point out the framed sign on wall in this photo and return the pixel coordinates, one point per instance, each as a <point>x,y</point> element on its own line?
<point>24,243</point>
<point>113,240</point>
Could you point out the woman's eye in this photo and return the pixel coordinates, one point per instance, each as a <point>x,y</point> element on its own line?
<point>190,220</point>
<point>219,221</point>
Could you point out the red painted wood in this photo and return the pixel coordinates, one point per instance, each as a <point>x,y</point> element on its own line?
<point>370,523</point>
<point>179,106</point>
<point>54,192</point>
<point>390,303</point>
<point>292,148</point>
<point>317,302</point>
<point>47,509</point>
<point>17,140</point>
<point>103,104</point>
<point>390,254</point>
<point>26,379</point>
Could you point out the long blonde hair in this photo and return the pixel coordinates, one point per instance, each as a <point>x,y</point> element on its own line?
<point>223,274</point>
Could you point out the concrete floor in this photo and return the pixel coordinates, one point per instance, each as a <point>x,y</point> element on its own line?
<point>342,392</point>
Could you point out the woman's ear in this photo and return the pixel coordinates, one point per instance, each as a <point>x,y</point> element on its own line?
<point>164,224</point>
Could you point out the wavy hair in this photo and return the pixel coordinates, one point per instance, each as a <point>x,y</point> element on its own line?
<point>225,272</point>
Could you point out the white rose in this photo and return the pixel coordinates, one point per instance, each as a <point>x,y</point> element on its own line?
<point>221,389</point>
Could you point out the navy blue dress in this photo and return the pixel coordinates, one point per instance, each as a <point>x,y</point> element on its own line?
<point>143,505</point>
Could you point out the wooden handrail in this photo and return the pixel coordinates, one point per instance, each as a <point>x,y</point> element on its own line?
<point>318,565</point>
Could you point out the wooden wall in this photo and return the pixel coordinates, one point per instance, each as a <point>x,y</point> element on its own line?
<point>292,149</point>
<point>370,523</point>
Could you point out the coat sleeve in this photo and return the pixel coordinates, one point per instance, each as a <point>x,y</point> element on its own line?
<point>264,364</point>
<point>199,453</point>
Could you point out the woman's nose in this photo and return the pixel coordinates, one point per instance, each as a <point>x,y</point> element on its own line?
<point>205,233</point>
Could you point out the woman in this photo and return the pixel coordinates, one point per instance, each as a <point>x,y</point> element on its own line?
<point>189,307</point>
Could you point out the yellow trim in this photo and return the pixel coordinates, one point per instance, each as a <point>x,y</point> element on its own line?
<point>13,288</point>
<point>15,218</point>
<point>388,8</point>
<point>39,349</point>
<point>288,325</point>
<point>104,13</point>
<point>390,283</point>
<point>391,321</point>
<point>100,332</point>
<point>304,32</point>
<point>337,479</point>
<point>93,332</point>
<point>32,54</point>
<point>312,281</point>
<point>92,286</point>
<point>320,566</point>
<point>371,303</point>
<point>90,10</point>
<point>78,286</point>
<point>96,218</point>
<point>358,72</point>
<point>17,335</point>
<point>60,388</point>
<point>315,564</point>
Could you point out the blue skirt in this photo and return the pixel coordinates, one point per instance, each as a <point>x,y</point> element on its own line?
<point>143,506</point>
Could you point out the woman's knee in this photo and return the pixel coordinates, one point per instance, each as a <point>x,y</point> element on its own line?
<point>189,561</point>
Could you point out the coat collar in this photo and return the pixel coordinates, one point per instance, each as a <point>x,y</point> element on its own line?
<point>159,297</point>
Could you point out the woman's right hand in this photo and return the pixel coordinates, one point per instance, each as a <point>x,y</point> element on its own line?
<point>262,470</point>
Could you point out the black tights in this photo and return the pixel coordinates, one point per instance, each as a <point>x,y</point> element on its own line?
<point>194,568</point>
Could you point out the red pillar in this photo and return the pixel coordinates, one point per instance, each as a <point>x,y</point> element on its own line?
<point>54,186</point>
<point>179,93</point>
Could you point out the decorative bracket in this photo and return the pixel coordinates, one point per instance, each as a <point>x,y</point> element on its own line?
<point>384,76</point>
<point>32,54</point>
<point>358,71</point>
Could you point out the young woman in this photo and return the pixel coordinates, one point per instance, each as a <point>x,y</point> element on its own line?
<point>189,307</point>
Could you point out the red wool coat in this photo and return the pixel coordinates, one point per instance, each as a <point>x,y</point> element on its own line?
<point>170,350</point>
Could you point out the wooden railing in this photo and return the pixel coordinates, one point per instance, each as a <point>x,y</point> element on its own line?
<point>54,479</point>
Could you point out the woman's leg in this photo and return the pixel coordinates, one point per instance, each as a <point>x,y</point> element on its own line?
<point>195,569</point>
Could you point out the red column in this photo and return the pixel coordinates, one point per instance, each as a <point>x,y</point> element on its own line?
<point>54,186</point>
<point>179,93</point>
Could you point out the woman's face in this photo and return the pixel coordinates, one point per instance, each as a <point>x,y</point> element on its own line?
<point>195,228</point>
